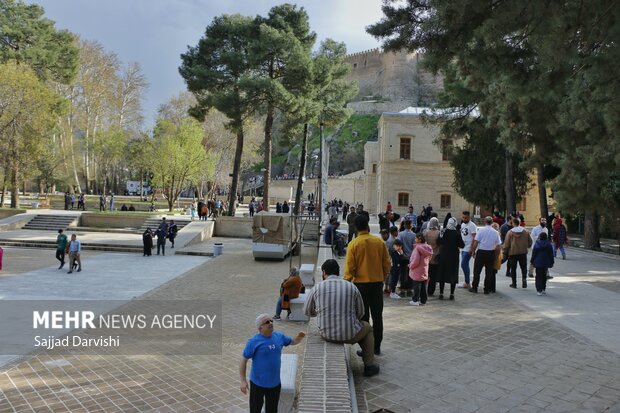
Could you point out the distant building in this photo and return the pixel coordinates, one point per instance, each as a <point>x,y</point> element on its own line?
<point>406,167</point>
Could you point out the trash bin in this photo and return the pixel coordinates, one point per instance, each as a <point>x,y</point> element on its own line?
<point>218,248</point>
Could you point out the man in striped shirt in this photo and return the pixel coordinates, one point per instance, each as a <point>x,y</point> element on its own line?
<point>339,308</point>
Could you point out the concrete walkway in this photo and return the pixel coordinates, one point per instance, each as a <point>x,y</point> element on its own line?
<point>512,351</point>
<point>506,352</point>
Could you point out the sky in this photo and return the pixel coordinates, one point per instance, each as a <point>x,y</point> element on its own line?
<point>155,32</point>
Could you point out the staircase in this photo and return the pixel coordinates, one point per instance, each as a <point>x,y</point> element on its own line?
<point>48,222</point>
<point>153,223</point>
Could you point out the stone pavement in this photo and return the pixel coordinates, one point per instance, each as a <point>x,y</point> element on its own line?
<point>116,383</point>
<point>512,351</point>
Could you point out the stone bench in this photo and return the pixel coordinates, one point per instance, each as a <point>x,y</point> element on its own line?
<point>297,307</point>
<point>326,380</point>
<point>288,380</point>
<point>326,385</point>
<point>306,272</point>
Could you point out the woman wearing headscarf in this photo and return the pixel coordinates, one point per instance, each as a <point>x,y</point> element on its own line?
<point>449,244</point>
<point>432,238</point>
<point>147,242</point>
<point>289,289</point>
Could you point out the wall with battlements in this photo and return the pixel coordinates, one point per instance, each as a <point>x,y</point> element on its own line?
<point>395,80</point>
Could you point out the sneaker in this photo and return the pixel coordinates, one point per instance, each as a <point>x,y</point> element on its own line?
<point>79,269</point>
<point>371,370</point>
<point>414,302</point>
<point>464,285</point>
<point>513,286</point>
<point>473,290</point>
<point>530,275</point>
<point>440,297</point>
<point>550,277</point>
<point>544,292</point>
<point>395,296</point>
<point>276,317</point>
<point>451,297</point>
<point>539,293</point>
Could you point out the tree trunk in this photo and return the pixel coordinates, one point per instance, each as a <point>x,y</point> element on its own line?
<point>232,196</point>
<point>14,186</point>
<point>74,164</point>
<point>591,234</point>
<point>5,179</point>
<point>542,189</point>
<point>302,171</point>
<point>268,150</point>
<point>511,204</point>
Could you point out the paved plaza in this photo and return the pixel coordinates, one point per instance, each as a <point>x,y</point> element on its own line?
<point>507,352</point>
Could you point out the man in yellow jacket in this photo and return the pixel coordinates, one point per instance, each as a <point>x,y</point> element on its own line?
<point>367,265</point>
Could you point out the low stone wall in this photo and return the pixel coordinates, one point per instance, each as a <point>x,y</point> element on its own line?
<point>112,221</point>
<point>326,384</point>
<point>236,227</point>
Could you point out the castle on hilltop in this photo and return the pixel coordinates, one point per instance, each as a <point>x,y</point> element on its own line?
<point>391,81</point>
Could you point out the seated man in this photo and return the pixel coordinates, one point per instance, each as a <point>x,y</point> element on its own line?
<point>338,323</point>
<point>333,237</point>
<point>124,207</point>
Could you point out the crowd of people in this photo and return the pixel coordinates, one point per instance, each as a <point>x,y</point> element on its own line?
<point>208,208</point>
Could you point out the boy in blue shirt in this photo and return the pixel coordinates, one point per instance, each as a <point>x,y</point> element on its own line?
<point>265,350</point>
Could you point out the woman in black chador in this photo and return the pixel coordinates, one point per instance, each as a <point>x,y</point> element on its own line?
<point>147,242</point>
<point>449,244</point>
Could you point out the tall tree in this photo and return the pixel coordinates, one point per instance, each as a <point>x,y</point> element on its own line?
<point>214,70</point>
<point>481,179</point>
<point>531,62</point>
<point>27,37</point>
<point>96,79</point>
<point>282,36</point>
<point>321,91</point>
<point>177,155</point>
<point>28,111</point>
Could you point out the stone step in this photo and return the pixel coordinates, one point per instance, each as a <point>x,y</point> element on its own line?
<point>48,222</point>
<point>153,223</point>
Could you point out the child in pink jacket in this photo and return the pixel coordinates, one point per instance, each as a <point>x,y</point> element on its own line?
<point>418,269</point>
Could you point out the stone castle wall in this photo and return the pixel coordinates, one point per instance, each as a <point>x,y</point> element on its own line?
<point>392,77</point>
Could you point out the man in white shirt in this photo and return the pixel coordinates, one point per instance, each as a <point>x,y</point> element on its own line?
<point>468,233</point>
<point>484,248</point>
<point>75,249</point>
<point>536,231</point>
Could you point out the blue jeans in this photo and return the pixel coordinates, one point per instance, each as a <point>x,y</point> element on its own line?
<point>279,306</point>
<point>465,257</point>
<point>561,247</point>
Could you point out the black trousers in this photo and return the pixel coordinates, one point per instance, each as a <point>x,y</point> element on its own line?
<point>541,279</point>
<point>60,255</point>
<point>372,294</point>
<point>260,395</point>
<point>433,272</point>
<point>513,260</point>
<point>486,259</point>
<point>419,291</point>
<point>162,244</point>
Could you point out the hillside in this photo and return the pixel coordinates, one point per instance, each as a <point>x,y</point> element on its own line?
<point>346,143</point>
